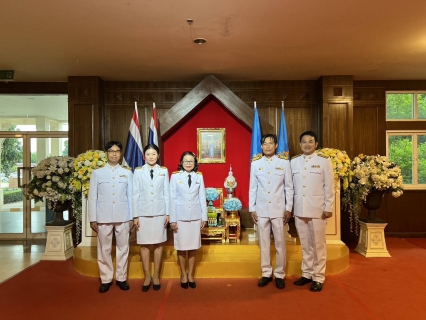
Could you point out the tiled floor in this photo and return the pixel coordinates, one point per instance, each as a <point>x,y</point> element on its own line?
<point>16,256</point>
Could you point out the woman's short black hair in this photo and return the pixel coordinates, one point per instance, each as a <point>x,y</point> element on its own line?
<point>309,133</point>
<point>113,143</point>
<point>151,146</point>
<point>186,153</point>
<point>269,135</point>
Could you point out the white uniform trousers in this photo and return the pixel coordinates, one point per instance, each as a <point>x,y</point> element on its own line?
<point>106,268</point>
<point>312,235</point>
<point>264,230</point>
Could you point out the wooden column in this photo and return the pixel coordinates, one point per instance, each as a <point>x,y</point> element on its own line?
<point>85,114</point>
<point>336,112</point>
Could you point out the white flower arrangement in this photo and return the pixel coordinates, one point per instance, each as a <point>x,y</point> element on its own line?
<point>51,180</point>
<point>232,204</point>
<point>371,173</point>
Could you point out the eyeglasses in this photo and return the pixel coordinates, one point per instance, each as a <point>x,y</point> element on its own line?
<point>188,162</point>
<point>114,151</point>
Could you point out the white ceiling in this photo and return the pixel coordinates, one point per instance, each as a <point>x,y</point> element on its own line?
<point>145,40</point>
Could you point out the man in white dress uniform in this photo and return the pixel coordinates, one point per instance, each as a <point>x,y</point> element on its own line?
<point>313,180</point>
<point>110,210</point>
<point>270,204</point>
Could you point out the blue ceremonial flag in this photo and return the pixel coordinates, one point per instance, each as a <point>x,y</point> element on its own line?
<point>283,149</point>
<point>256,136</point>
<point>133,156</point>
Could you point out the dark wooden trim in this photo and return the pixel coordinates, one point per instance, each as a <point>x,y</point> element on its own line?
<point>210,86</point>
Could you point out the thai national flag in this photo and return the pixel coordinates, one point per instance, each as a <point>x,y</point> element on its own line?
<point>133,156</point>
<point>153,136</point>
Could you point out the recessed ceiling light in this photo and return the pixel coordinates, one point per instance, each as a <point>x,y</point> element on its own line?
<point>200,41</point>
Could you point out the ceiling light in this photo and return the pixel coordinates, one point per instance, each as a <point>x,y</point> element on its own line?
<point>200,41</point>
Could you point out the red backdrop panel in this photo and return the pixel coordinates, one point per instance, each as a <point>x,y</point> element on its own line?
<point>212,114</point>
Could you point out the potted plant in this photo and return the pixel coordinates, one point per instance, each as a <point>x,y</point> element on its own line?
<point>51,181</point>
<point>82,169</point>
<point>373,176</point>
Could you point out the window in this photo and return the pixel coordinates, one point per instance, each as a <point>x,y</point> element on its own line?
<point>408,150</point>
<point>402,106</point>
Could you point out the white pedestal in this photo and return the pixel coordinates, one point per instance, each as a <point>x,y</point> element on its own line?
<point>88,236</point>
<point>333,232</point>
<point>372,242</point>
<point>59,244</point>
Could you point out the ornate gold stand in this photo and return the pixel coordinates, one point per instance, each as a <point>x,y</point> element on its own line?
<point>233,221</point>
<point>213,232</point>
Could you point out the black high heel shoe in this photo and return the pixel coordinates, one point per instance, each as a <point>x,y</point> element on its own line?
<point>146,288</point>
<point>193,285</point>
<point>184,285</point>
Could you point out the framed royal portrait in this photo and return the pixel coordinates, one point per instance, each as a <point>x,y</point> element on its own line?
<point>211,145</point>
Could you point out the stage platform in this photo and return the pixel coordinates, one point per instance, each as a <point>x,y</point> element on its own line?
<point>215,260</point>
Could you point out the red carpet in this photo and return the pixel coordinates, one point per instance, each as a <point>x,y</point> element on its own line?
<point>372,288</point>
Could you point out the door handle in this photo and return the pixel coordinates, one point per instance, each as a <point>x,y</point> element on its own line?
<point>28,169</point>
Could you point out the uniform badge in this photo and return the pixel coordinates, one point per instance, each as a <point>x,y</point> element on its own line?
<point>123,176</point>
<point>317,166</point>
<point>278,168</point>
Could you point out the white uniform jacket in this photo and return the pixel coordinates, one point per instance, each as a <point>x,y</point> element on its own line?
<point>110,195</point>
<point>187,203</point>
<point>313,180</point>
<point>271,187</point>
<point>150,196</point>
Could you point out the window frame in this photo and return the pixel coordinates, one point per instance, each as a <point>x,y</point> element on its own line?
<point>414,134</point>
<point>416,105</point>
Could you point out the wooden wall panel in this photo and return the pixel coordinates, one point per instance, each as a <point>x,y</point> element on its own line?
<point>336,128</point>
<point>366,130</point>
<point>298,120</point>
<point>83,133</point>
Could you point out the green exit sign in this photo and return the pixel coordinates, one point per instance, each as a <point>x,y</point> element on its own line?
<point>7,75</point>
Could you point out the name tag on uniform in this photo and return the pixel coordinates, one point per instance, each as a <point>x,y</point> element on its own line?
<point>315,166</point>
<point>123,176</point>
<point>278,168</point>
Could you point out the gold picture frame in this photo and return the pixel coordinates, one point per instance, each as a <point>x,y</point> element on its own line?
<point>211,145</point>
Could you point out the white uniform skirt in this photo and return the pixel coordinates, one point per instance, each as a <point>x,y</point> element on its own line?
<point>151,230</point>
<point>188,235</point>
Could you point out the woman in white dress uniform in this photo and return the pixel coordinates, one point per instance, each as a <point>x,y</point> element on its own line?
<point>188,213</point>
<point>151,212</point>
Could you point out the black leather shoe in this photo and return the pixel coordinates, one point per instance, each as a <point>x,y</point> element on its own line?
<point>184,285</point>
<point>105,287</point>
<point>264,281</point>
<point>316,286</point>
<point>302,281</point>
<point>146,288</point>
<point>122,284</point>
<point>280,283</point>
<point>193,285</point>
<point>156,286</point>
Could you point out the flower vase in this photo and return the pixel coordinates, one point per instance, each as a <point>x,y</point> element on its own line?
<point>373,202</point>
<point>59,209</point>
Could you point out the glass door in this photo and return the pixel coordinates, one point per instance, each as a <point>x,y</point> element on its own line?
<point>21,218</point>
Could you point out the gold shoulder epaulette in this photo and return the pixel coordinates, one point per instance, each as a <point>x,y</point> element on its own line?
<point>294,157</point>
<point>198,172</point>
<point>175,172</point>
<point>257,157</point>
<point>281,156</point>
<point>139,168</point>
<point>322,155</point>
<point>163,167</point>
<point>126,167</point>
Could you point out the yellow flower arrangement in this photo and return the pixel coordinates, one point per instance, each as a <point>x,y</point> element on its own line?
<point>341,165</point>
<point>82,169</point>
<point>84,165</point>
